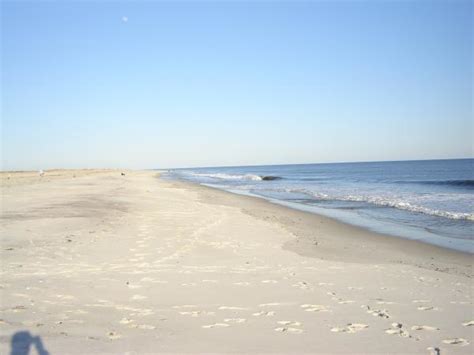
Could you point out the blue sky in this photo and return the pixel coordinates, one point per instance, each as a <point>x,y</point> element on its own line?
<point>150,84</point>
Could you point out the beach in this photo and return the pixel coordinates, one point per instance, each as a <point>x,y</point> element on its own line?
<point>112,261</point>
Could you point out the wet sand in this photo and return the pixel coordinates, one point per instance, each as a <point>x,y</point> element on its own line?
<point>96,262</point>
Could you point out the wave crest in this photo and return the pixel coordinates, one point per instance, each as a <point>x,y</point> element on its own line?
<point>460,183</point>
<point>222,176</point>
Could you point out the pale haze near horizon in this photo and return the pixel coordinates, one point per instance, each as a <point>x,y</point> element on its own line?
<point>176,84</point>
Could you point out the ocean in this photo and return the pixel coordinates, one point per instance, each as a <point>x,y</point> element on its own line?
<point>427,200</point>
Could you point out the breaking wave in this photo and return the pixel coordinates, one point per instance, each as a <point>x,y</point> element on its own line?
<point>222,176</point>
<point>387,202</point>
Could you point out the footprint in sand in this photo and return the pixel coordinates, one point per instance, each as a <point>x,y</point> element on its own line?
<point>263,313</point>
<point>143,312</point>
<point>468,324</point>
<point>190,313</point>
<point>289,322</point>
<point>272,304</point>
<point>126,321</point>
<point>314,308</point>
<point>17,309</point>
<point>345,301</point>
<point>397,329</point>
<point>138,297</point>
<point>143,326</point>
<point>456,341</point>
<point>427,308</point>
<point>433,351</point>
<point>241,283</point>
<point>232,308</point>
<point>77,311</point>
<point>185,306</point>
<point>235,320</point>
<point>216,325</point>
<point>460,302</point>
<point>385,302</point>
<point>66,297</point>
<point>303,285</point>
<point>196,313</point>
<point>350,328</point>
<point>377,312</point>
<point>289,330</point>
<point>424,327</point>
<point>269,281</point>
<point>113,335</point>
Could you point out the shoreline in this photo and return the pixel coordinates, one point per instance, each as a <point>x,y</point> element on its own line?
<point>303,224</point>
<point>428,201</point>
<point>370,225</point>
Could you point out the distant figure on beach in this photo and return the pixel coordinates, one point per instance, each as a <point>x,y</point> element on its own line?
<point>41,173</point>
<point>23,341</point>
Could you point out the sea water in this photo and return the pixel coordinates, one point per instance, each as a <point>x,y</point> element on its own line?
<point>429,200</point>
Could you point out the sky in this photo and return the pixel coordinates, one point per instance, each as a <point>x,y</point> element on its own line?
<point>163,84</point>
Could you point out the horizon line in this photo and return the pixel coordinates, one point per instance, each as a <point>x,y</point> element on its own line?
<point>335,162</point>
<point>234,166</point>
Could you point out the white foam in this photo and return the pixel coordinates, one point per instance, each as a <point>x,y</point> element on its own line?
<point>387,202</point>
<point>223,176</point>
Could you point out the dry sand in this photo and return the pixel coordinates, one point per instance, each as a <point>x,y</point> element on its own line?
<point>95,262</point>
